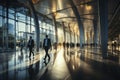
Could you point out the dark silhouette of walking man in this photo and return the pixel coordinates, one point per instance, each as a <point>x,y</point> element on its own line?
<point>21,46</point>
<point>46,46</point>
<point>31,46</point>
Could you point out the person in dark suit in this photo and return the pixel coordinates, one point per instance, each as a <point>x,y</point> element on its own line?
<point>31,46</point>
<point>21,46</point>
<point>46,46</point>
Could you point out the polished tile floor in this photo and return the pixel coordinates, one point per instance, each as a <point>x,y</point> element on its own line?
<point>65,64</point>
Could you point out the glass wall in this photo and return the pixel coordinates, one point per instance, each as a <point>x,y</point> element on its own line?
<point>16,25</point>
<point>13,27</point>
<point>60,34</point>
<point>46,29</point>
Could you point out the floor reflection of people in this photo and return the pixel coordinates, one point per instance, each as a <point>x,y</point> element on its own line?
<point>31,72</point>
<point>20,57</point>
<point>43,77</point>
<point>21,46</point>
<point>45,62</point>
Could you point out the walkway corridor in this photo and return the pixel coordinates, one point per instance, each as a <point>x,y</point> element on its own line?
<point>65,64</point>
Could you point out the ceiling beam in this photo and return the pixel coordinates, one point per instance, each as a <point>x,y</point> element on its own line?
<point>73,17</point>
<point>89,2</point>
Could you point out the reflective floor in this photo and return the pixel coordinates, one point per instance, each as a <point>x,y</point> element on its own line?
<point>65,64</point>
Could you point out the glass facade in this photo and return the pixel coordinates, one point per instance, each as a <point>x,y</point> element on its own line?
<point>16,25</point>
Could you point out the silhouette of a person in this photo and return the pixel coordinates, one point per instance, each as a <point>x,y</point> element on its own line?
<point>31,46</point>
<point>21,45</point>
<point>64,44</point>
<point>46,46</point>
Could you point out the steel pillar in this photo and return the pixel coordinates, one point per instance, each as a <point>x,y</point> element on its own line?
<point>103,14</point>
<point>80,24</point>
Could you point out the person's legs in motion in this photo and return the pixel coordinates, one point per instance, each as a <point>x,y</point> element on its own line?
<point>32,52</point>
<point>47,55</point>
<point>46,52</point>
<point>30,49</point>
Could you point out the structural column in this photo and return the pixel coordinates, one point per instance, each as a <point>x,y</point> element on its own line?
<point>64,42</point>
<point>119,47</point>
<point>64,31</point>
<point>95,32</point>
<point>36,26</point>
<point>80,24</point>
<point>56,31</point>
<point>103,14</point>
<point>15,30</point>
<point>7,25</point>
<point>75,41</point>
<point>70,34</point>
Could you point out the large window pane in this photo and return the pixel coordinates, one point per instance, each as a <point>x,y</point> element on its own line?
<point>0,21</point>
<point>11,14</point>
<point>11,34</point>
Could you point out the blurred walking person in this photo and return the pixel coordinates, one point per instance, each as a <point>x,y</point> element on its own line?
<point>21,46</point>
<point>31,46</point>
<point>47,46</point>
